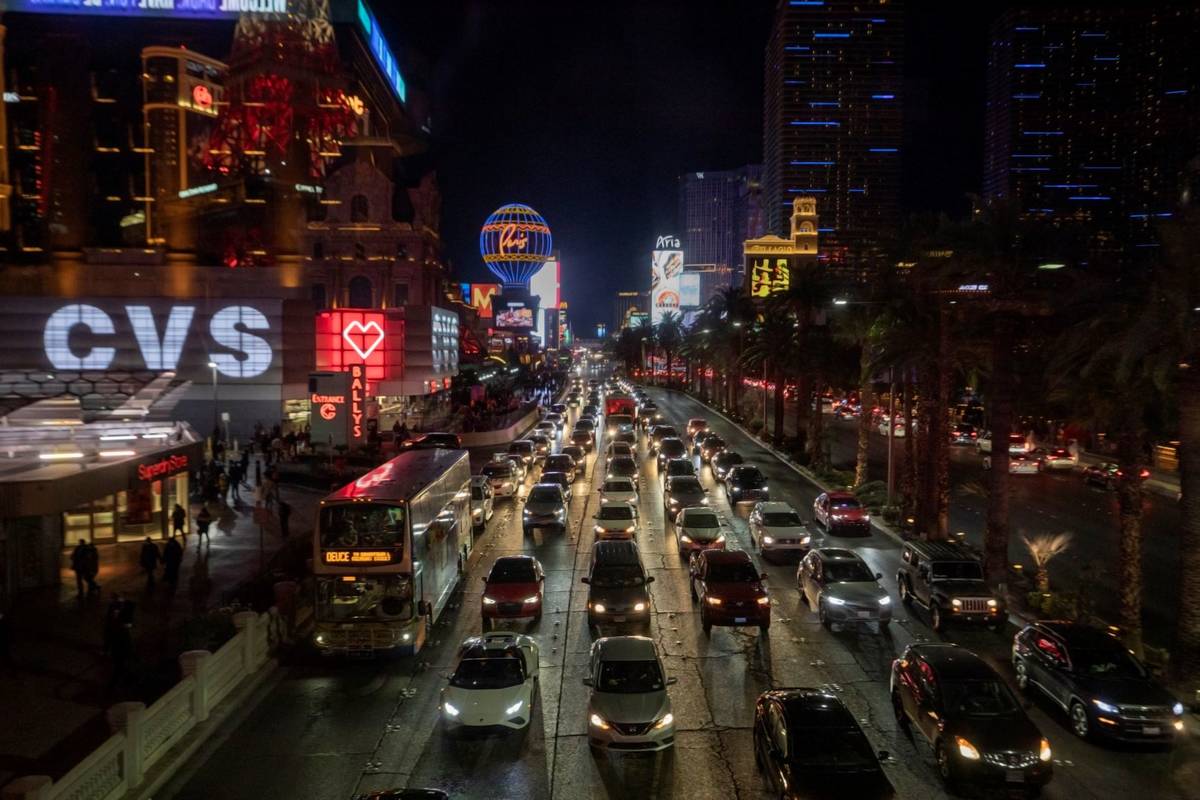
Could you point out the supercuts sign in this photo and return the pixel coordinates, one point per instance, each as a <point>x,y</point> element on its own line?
<point>240,337</point>
<point>162,468</point>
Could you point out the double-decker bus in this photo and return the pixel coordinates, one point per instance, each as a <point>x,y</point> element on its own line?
<point>388,551</point>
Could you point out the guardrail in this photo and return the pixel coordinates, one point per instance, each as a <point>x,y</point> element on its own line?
<point>144,736</point>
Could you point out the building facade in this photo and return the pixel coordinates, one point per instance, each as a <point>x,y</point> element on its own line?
<point>1092,116</point>
<point>717,212</point>
<point>832,124</point>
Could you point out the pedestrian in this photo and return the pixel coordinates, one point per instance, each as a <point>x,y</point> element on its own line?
<point>79,566</point>
<point>244,462</point>
<point>258,472</point>
<point>172,559</point>
<point>178,520</point>
<point>148,559</point>
<point>203,520</point>
<point>91,568</point>
<point>235,482</point>
<point>222,486</point>
<point>285,514</point>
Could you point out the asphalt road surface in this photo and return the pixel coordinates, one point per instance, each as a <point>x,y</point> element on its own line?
<point>332,728</point>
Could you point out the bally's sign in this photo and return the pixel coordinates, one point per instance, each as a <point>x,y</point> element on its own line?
<point>240,339</point>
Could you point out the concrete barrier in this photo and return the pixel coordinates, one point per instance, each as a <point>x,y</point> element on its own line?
<point>503,435</point>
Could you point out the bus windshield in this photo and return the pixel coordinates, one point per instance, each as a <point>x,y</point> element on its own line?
<point>362,525</point>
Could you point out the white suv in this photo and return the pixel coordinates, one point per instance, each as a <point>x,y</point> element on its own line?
<point>629,708</point>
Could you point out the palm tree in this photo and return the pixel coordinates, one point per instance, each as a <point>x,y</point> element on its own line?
<point>668,336</point>
<point>732,312</point>
<point>768,353</point>
<point>808,297</point>
<point>859,327</point>
<point>1044,548</point>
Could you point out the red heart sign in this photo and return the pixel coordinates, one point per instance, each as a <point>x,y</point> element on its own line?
<point>356,328</point>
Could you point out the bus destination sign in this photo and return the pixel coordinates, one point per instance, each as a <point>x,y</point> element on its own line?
<point>358,556</point>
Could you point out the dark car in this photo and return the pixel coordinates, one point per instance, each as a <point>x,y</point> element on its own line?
<point>1104,691</point>
<point>723,462</point>
<point>524,449</point>
<point>576,452</point>
<point>559,408</point>
<point>670,447</point>
<point>648,414</point>
<point>617,584</point>
<point>699,437</point>
<point>729,589</point>
<point>660,432</point>
<point>683,491</point>
<point>630,437</point>
<point>622,467</point>
<point>963,434</point>
<point>745,483</point>
<point>433,441</point>
<point>561,462</point>
<point>546,507</point>
<point>950,698</point>
<point>809,746</point>
<point>947,578</point>
<point>559,478</point>
<point>711,446</point>
<point>1107,474</point>
<point>582,437</point>
<point>677,466</point>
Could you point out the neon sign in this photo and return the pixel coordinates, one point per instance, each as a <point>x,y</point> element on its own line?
<point>160,469</point>
<point>366,338</point>
<point>184,9</point>
<point>202,96</point>
<point>358,393</point>
<point>381,51</point>
<point>370,335</point>
<point>358,556</point>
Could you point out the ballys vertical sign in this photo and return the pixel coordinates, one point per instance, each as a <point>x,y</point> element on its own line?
<point>358,398</point>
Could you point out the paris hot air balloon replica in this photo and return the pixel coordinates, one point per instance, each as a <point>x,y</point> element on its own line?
<point>515,243</point>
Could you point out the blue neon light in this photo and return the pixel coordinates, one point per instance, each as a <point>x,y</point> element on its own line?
<point>858,191</point>
<point>1146,245</point>
<point>883,97</point>
<point>1032,155</point>
<point>794,83</point>
<point>381,51</point>
<point>1041,133</point>
<point>882,149</point>
<point>1101,167</point>
<point>1176,91</point>
<point>806,2</point>
<point>1030,169</point>
<point>826,124</point>
<point>889,61</point>
<point>1087,84</point>
<point>1037,96</point>
<point>1042,210</point>
<point>1070,185</point>
<point>1106,58</point>
<point>1026,28</point>
<point>812,163</point>
<point>808,191</point>
<point>831,35</point>
<point>1029,66</point>
<point>878,21</point>
<point>824,104</point>
<point>1090,197</point>
<point>1139,216</point>
<point>1093,35</point>
<point>797,48</point>
<point>826,230</point>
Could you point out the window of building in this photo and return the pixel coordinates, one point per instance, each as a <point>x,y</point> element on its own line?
<point>360,293</point>
<point>359,210</point>
<point>318,296</point>
<point>318,251</point>
<point>360,251</point>
<point>400,294</point>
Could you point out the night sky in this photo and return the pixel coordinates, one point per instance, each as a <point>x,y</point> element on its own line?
<point>589,112</point>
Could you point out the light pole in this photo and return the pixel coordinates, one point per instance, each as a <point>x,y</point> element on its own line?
<point>891,469</point>
<point>216,415</point>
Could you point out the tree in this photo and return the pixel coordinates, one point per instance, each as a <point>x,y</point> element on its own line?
<point>732,312</point>
<point>1043,549</point>
<point>859,328</point>
<point>767,354</point>
<point>668,336</point>
<point>808,297</point>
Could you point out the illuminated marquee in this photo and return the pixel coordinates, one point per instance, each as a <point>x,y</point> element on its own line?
<point>358,396</point>
<point>381,51</point>
<point>161,469</point>
<point>769,275</point>
<point>365,338</point>
<point>358,556</point>
<point>183,9</point>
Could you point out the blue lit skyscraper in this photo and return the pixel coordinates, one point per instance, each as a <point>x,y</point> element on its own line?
<point>1092,115</point>
<point>833,123</point>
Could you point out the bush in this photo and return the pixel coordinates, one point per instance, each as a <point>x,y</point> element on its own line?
<point>755,426</point>
<point>1053,605</point>
<point>891,514</point>
<point>838,477</point>
<point>872,494</point>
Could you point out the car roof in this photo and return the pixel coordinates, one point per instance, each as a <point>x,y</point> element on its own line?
<point>692,511</point>
<point>942,551</point>
<point>515,561</point>
<point>952,662</point>
<point>682,481</point>
<point>546,486</point>
<point>842,496</point>
<point>727,556</point>
<point>802,706</point>
<point>1077,634</point>
<point>837,554</point>
<point>774,506</point>
<point>626,648</point>
<point>619,551</point>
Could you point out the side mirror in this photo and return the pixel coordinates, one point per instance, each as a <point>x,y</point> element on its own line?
<point>585,580</point>
<point>884,755</point>
<point>484,578</point>
<point>672,681</point>
<point>650,579</point>
<point>587,681</point>
<point>878,576</point>
<point>762,577</point>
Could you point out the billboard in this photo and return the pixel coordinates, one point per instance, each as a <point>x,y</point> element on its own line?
<point>666,268</point>
<point>546,285</point>
<point>766,275</point>
<point>479,297</point>
<point>689,290</point>
<point>366,338</point>
<point>515,317</point>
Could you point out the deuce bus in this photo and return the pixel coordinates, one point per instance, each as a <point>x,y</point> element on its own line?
<point>388,551</point>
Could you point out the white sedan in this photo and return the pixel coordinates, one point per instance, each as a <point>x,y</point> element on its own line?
<point>775,527</point>
<point>897,429</point>
<point>1018,464</point>
<point>493,683</point>
<point>618,490</point>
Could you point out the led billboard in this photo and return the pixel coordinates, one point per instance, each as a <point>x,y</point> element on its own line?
<point>515,317</point>
<point>689,290</point>
<point>546,285</point>
<point>666,268</point>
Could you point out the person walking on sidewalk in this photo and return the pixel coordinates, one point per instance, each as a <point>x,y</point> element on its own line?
<point>203,520</point>
<point>285,514</point>
<point>178,519</point>
<point>172,558</point>
<point>79,566</point>
<point>148,559</point>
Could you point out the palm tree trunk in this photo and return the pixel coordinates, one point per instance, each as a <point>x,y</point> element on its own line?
<point>803,398</point>
<point>816,427</point>
<point>777,408</point>
<point>926,468</point>
<point>940,431</point>
<point>907,476</point>
<point>1185,655</point>
<point>866,398</point>
<point>1129,554</point>
<point>996,535</point>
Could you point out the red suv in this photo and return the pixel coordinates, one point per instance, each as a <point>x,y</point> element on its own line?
<point>841,511</point>
<point>729,589</point>
<point>514,590</point>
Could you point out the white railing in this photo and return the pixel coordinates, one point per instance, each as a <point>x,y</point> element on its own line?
<point>144,736</point>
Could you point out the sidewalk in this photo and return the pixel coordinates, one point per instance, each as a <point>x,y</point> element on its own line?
<point>54,693</point>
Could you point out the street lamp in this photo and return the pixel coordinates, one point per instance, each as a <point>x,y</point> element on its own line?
<point>216,425</point>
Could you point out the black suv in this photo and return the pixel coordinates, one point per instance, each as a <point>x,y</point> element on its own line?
<point>670,447</point>
<point>683,491</point>
<point>947,579</point>
<point>617,585</point>
<point>745,483</point>
<point>950,698</point>
<point>1102,688</point>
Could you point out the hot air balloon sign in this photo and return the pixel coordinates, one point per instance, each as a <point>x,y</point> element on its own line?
<point>515,242</point>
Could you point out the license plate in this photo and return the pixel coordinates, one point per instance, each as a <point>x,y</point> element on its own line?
<point>618,619</point>
<point>1015,776</point>
<point>739,620</point>
<point>1155,731</point>
<point>865,615</point>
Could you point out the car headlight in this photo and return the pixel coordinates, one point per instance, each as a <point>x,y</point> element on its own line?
<point>599,529</point>
<point>683,537</point>
<point>639,606</point>
<point>1107,708</point>
<point>720,539</point>
<point>1177,709</point>
<point>1044,752</point>
<point>768,540</point>
<point>631,529</point>
<point>526,513</point>
<point>764,601</point>
<point>667,719</point>
<point>713,601</point>
<point>319,638</point>
<point>703,501</point>
<point>866,517</point>
<point>674,502</point>
<point>514,708</point>
<point>487,601</point>
<point>835,601</point>
<point>598,721</point>
<point>956,603</point>
<point>736,490</point>
<point>992,604</point>
<point>598,608</point>
<point>532,600</point>
<point>450,710</point>
<point>967,750</point>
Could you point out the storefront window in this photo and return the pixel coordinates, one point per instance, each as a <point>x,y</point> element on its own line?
<point>140,511</point>
<point>92,522</point>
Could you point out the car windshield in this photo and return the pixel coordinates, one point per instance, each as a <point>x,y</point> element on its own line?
<point>584,424</point>
<point>830,747</point>
<point>498,470</point>
<point>982,698</point>
<point>665,431</point>
<point>844,502</point>
<point>622,465</point>
<point>362,525</point>
<point>672,448</point>
<point>512,570</point>
<point>620,511</point>
<point>749,475</point>
<point>488,673</point>
<point>545,494</point>
<point>617,485</point>
<point>957,571</point>
<point>560,463</point>
<point>782,519</point>
<point>630,677</point>
<point>732,572</point>
<point>728,459</point>
<point>613,577</point>
<point>620,449</point>
<point>714,441</point>
<point>1107,663</point>
<point>847,572</point>
<point>700,519</point>
<point>556,477</point>
<point>520,447</point>
<point>685,484</point>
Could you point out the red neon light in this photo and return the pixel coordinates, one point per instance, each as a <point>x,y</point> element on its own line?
<point>366,338</point>
<point>159,469</point>
<point>358,392</point>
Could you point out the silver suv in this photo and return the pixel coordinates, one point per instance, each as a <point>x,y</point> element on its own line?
<point>629,708</point>
<point>546,507</point>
